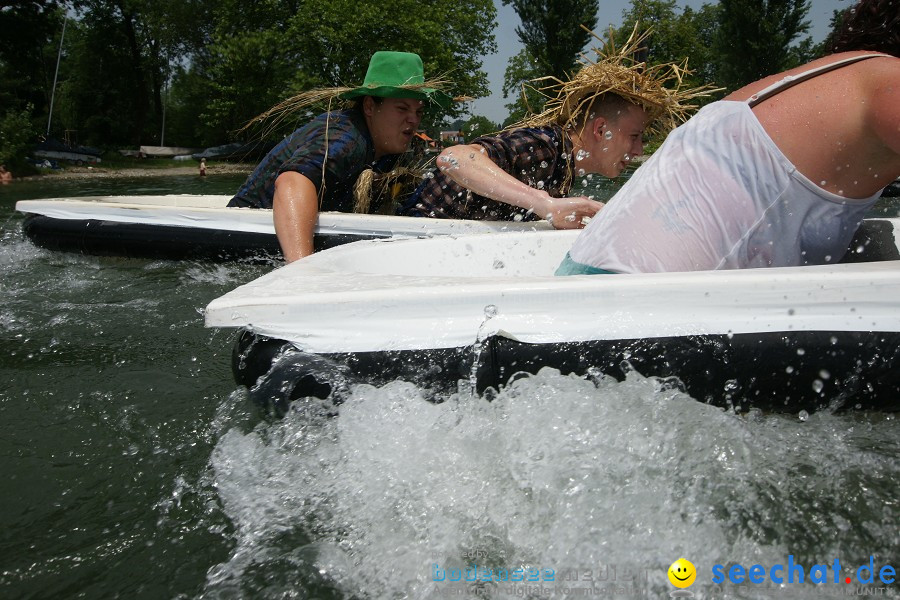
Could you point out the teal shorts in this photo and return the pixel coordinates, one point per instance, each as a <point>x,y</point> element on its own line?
<point>570,267</point>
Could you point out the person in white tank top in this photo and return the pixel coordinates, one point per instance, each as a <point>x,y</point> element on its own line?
<point>779,173</point>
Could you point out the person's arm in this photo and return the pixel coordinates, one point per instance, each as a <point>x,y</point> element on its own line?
<point>295,213</point>
<point>470,167</point>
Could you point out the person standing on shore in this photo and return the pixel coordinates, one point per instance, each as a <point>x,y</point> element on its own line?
<point>316,167</point>
<point>202,167</point>
<point>5,176</point>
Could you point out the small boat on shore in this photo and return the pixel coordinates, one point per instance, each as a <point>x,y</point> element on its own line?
<point>203,227</point>
<point>487,308</point>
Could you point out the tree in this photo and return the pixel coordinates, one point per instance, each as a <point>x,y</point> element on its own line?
<point>28,49</point>
<point>478,126</point>
<point>551,31</point>
<point>319,46</point>
<point>119,63</point>
<point>553,40</point>
<point>676,36</point>
<point>519,82</point>
<point>755,37</point>
<point>16,136</point>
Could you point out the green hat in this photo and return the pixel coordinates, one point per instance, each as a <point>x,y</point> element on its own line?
<point>398,75</point>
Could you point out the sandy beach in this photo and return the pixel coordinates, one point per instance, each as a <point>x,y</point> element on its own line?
<point>91,172</point>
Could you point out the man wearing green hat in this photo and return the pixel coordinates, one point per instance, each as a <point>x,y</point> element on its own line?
<point>316,167</point>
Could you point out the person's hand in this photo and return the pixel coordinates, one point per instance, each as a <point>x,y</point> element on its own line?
<point>570,213</point>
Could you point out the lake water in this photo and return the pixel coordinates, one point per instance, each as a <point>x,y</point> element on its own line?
<point>135,467</point>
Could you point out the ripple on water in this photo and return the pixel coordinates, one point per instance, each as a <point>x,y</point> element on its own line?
<point>554,473</point>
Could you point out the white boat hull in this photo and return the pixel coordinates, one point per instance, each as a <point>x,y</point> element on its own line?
<point>489,306</point>
<point>202,226</point>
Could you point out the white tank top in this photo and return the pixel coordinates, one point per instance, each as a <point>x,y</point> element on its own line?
<point>719,194</point>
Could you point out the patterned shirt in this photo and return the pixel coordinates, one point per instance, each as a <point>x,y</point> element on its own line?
<point>539,157</point>
<point>346,151</point>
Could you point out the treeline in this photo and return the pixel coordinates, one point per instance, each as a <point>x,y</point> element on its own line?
<point>194,72</point>
<point>729,43</point>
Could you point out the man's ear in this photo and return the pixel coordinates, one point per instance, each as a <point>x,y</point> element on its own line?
<point>368,106</point>
<point>598,127</point>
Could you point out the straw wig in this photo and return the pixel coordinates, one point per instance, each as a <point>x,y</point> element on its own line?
<point>655,88</point>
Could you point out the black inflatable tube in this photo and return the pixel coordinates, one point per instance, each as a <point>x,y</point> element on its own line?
<point>140,240</point>
<point>779,372</point>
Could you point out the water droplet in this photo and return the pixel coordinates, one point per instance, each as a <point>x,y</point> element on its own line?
<point>543,164</point>
<point>824,374</point>
<point>498,264</point>
<point>800,351</point>
<point>491,310</point>
<point>818,385</point>
<point>608,135</point>
<point>822,183</point>
<point>803,416</point>
<point>581,155</point>
<point>540,185</point>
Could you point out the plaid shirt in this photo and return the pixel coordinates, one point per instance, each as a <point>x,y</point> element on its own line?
<point>539,157</point>
<point>346,152</point>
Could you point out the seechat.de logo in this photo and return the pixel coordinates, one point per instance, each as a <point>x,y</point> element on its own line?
<point>796,573</point>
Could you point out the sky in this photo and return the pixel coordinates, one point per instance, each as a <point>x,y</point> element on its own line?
<point>494,106</point>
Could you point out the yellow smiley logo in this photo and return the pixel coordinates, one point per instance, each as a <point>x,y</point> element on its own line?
<point>682,573</point>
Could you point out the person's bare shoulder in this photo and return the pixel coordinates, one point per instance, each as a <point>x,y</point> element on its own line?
<point>882,80</point>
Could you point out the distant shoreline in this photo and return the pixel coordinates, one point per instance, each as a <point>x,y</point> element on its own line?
<point>100,172</point>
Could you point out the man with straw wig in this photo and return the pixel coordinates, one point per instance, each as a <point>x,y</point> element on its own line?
<point>594,123</point>
<point>316,167</point>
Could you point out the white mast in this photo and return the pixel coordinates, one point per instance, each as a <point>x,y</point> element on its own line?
<point>56,74</point>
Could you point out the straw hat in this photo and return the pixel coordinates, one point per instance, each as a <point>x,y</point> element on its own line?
<point>657,88</point>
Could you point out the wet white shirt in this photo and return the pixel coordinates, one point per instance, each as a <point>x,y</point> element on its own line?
<point>719,194</point>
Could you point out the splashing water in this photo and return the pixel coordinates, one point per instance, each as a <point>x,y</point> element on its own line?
<point>555,473</point>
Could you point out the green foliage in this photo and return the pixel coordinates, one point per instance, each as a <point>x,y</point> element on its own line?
<point>551,32</point>
<point>676,36</point>
<point>478,126</point>
<point>311,43</point>
<point>518,82</point>
<point>755,37</point>
<point>209,67</point>
<point>16,136</point>
<point>28,48</point>
<point>553,39</point>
